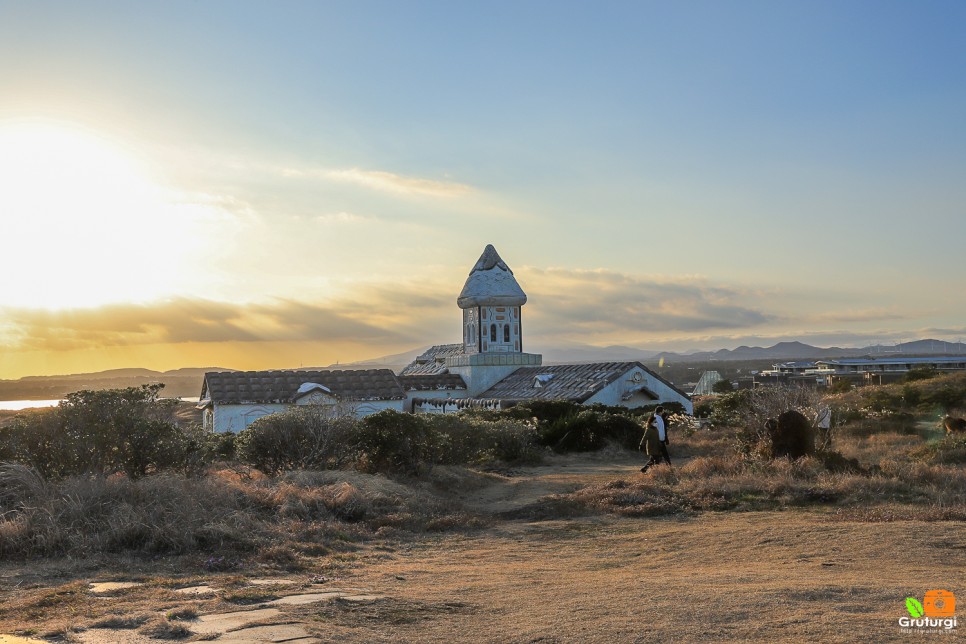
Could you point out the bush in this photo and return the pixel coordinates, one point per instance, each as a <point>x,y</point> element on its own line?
<point>103,432</point>
<point>393,441</point>
<point>919,373</point>
<point>304,437</point>
<point>950,450</point>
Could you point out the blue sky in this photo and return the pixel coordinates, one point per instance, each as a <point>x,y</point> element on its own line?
<point>662,175</point>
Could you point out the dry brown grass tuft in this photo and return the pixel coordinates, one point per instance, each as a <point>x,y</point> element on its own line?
<point>880,469</point>
<point>165,630</point>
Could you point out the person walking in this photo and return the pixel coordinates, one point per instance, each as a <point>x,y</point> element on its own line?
<point>651,441</point>
<point>823,420</point>
<point>662,427</point>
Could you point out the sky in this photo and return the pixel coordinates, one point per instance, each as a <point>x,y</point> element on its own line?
<point>278,184</point>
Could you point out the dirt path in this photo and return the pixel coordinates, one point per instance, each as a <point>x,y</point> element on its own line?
<point>511,490</point>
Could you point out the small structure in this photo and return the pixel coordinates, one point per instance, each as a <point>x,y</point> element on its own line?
<point>706,383</point>
<point>233,400</point>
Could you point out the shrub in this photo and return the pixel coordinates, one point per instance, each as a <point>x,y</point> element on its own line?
<point>919,373</point>
<point>840,386</point>
<point>103,432</point>
<point>393,441</point>
<point>951,450</point>
<point>304,437</point>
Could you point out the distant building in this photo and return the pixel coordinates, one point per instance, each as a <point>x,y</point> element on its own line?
<point>488,368</point>
<point>878,370</point>
<point>233,400</point>
<point>706,382</point>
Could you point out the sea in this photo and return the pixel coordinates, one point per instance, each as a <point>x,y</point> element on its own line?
<point>17,405</point>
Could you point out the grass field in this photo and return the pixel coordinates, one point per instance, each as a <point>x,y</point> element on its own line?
<point>580,548</point>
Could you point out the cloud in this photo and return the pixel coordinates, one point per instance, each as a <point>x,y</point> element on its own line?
<point>389,182</point>
<point>861,315</point>
<point>571,303</point>
<point>185,320</point>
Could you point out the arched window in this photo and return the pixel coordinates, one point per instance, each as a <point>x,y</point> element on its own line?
<point>492,333</point>
<point>506,333</point>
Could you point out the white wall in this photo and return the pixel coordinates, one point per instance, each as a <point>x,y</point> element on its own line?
<point>613,394</point>
<point>235,418</point>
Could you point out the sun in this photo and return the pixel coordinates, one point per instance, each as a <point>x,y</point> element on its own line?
<point>82,222</point>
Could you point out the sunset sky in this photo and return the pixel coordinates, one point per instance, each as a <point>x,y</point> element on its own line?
<point>274,184</point>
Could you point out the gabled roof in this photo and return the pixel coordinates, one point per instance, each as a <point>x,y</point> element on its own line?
<point>574,382</point>
<point>432,361</point>
<point>433,382</point>
<point>262,387</point>
<point>491,283</point>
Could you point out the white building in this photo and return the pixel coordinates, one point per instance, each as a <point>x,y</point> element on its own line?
<point>487,369</point>
<point>233,400</point>
<point>491,362</point>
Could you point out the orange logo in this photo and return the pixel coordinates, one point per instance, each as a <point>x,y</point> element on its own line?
<point>939,603</point>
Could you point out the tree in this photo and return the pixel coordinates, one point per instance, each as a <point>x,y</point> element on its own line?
<point>723,386</point>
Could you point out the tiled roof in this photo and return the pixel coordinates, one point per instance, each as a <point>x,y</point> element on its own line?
<point>432,382</point>
<point>283,386</point>
<point>432,361</point>
<point>574,382</point>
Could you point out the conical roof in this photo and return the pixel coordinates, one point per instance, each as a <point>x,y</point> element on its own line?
<point>491,283</point>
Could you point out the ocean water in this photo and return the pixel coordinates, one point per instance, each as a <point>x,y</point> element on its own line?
<point>17,405</point>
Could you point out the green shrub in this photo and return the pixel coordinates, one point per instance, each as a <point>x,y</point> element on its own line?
<point>840,386</point>
<point>304,437</point>
<point>391,441</point>
<point>945,397</point>
<point>101,432</point>
<point>919,373</point>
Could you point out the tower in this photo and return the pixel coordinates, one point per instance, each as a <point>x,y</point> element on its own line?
<point>492,302</point>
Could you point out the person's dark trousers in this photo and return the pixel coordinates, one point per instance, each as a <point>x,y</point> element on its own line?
<point>664,454</point>
<point>654,460</point>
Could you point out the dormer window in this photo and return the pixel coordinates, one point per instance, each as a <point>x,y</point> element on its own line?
<point>541,379</point>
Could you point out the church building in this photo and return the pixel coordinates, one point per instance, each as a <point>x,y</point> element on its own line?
<point>488,368</point>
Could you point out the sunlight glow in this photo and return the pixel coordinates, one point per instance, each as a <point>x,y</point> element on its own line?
<point>81,222</point>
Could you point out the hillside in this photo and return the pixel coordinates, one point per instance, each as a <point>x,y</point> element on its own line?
<point>177,383</point>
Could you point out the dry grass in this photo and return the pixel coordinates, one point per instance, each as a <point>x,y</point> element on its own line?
<point>227,518</point>
<point>572,550</point>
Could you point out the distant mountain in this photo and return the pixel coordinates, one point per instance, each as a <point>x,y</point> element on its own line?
<point>184,382</point>
<point>395,361</point>
<point>789,351</point>
<point>572,354</point>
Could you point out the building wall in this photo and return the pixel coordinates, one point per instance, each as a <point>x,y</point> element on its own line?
<point>634,379</point>
<point>235,418</point>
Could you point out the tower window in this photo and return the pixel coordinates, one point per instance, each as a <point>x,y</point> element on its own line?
<point>492,333</point>
<point>506,333</point>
